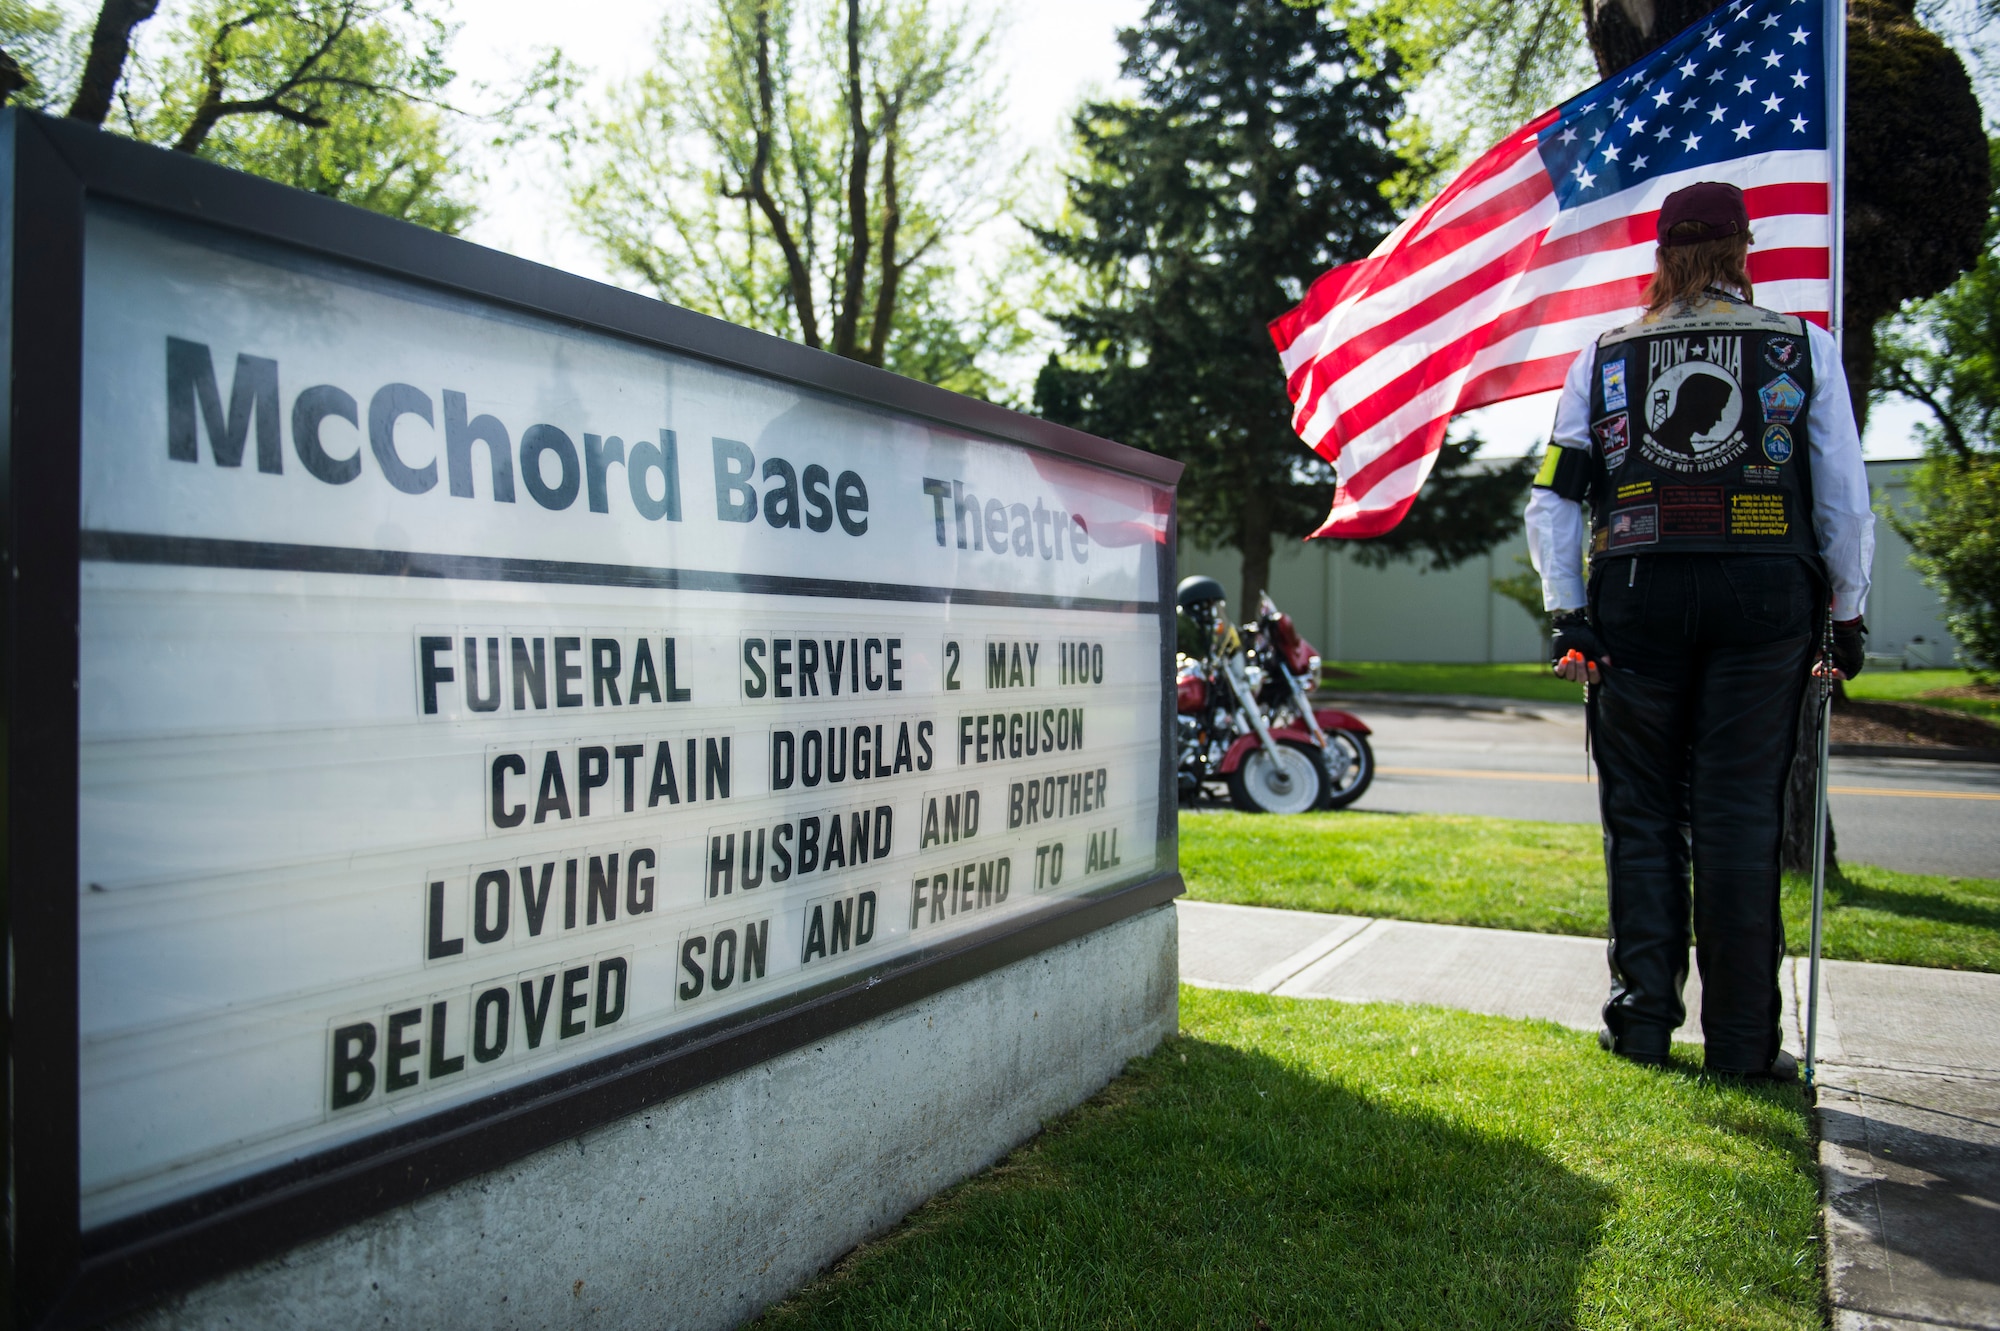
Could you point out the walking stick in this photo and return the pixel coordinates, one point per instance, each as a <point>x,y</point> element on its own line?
<point>1823,681</point>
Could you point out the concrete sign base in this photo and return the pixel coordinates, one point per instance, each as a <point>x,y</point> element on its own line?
<point>702,1211</point>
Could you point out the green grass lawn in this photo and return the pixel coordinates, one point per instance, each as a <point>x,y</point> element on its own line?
<point>1298,1164</point>
<point>1917,685</point>
<point>1548,878</point>
<point>1531,682</point>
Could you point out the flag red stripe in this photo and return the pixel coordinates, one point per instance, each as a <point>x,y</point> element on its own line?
<point>1451,238</point>
<point>1445,361</point>
<point>1332,286</point>
<point>1369,522</point>
<point>1361,347</point>
<point>1434,369</point>
<point>1570,303</point>
<point>1515,380</point>
<point>1472,225</point>
<point>1790,265</point>
<point>1412,447</point>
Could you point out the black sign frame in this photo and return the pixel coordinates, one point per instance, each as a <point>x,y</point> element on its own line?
<point>63,1276</point>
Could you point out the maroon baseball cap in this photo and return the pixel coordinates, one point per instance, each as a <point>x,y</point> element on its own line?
<point>1716,206</point>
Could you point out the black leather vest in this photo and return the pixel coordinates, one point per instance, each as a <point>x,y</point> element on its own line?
<point>1699,434</point>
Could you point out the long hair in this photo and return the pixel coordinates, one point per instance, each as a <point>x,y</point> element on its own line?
<point>1680,272</point>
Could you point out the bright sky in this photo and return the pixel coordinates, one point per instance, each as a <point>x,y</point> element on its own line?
<point>1056,52</point>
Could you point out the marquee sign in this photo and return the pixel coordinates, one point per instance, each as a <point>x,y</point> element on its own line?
<point>500,703</point>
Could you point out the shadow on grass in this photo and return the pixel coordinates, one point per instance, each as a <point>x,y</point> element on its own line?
<point>1214,1186</point>
<point>1845,891</point>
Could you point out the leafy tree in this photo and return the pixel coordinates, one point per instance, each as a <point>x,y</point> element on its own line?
<point>341,97</point>
<point>1945,354</point>
<point>1955,533</point>
<point>1524,588</point>
<point>44,54</point>
<point>1489,65</point>
<point>1255,157</point>
<point>813,168</point>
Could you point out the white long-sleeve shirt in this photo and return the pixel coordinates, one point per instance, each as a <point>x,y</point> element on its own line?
<point>1842,519</point>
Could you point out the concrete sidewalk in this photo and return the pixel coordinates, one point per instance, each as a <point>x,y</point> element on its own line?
<point>1909,1103</point>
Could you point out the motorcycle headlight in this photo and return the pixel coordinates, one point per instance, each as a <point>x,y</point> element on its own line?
<point>1254,675</point>
<point>1313,671</point>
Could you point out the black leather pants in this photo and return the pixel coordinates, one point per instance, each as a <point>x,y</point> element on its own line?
<point>1693,728</point>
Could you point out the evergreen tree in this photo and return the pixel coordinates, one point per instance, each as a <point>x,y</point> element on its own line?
<point>1255,158</point>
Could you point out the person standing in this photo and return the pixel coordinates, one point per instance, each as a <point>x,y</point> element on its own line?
<point>1714,443</point>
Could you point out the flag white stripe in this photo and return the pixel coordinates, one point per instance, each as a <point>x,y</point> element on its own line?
<point>1364,309</point>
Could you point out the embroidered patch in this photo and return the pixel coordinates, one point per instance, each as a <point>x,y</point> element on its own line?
<point>1783,353</point>
<point>1777,443</point>
<point>1637,525</point>
<point>1613,375</point>
<point>1690,510</point>
<point>1694,404</point>
<point>1614,436</point>
<point>1759,474</point>
<point>1782,399</point>
<point>1758,515</point>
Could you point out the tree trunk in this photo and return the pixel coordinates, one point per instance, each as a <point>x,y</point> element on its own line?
<point>1857,358</point>
<point>1620,31</point>
<point>12,80</point>
<point>892,273</point>
<point>847,317</point>
<point>1253,541</point>
<point>756,190</point>
<point>110,43</point>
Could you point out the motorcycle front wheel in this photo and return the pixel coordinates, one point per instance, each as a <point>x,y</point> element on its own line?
<point>1292,782</point>
<point>1350,764</point>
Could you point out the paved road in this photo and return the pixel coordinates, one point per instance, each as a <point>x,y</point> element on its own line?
<point>1916,815</point>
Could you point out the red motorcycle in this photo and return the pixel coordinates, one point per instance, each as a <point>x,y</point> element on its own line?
<point>1246,717</point>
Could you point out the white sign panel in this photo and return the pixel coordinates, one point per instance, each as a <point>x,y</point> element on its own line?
<point>466,697</point>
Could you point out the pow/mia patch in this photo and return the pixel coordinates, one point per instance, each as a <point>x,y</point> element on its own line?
<point>1783,353</point>
<point>1694,414</point>
<point>1777,443</point>
<point>1782,399</point>
<point>1637,525</point>
<point>1614,436</point>
<point>1613,375</point>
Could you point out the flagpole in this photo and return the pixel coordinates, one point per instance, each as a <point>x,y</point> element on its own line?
<point>1837,247</point>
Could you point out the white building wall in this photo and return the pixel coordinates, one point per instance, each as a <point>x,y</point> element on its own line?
<point>1406,613</point>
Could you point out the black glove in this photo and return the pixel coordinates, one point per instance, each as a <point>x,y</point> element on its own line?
<point>1573,631</point>
<point>1850,646</point>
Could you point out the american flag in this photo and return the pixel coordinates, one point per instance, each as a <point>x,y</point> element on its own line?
<point>1545,242</point>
